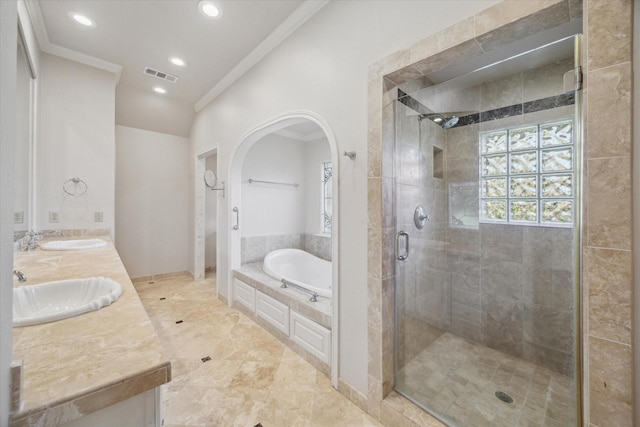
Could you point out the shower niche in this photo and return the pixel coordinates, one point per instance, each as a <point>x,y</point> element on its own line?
<point>438,163</point>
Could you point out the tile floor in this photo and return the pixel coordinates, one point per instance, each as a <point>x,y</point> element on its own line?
<point>459,379</point>
<point>250,378</point>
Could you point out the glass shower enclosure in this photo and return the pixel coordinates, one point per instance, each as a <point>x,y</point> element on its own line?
<point>487,208</point>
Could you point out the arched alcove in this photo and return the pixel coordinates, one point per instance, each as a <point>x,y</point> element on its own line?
<point>304,126</point>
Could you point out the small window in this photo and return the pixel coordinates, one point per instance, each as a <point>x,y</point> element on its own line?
<point>327,197</point>
<point>527,174</point>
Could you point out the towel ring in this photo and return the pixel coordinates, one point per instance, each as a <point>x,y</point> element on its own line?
<point>76,181</point>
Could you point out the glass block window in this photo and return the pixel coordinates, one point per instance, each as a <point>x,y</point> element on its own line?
<point>527,174</point>
<point>327,197</point>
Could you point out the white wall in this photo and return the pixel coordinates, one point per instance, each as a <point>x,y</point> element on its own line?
<point>211,222</point>
<point>269,209</point>
<point>323,68</point>
<point>316,152</point>
<point>76,139</point>
<point>152,181</point>
<point>8,45</point>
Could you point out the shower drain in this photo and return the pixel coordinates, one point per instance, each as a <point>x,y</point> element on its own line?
<point>504,397</point>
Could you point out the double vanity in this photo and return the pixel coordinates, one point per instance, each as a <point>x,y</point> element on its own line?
<point>101,367</point>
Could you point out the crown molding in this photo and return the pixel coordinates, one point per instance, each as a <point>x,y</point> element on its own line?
<point>284,30</point>
<point>35,14</point>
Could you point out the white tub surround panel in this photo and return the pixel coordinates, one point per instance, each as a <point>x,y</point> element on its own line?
<point>260,297</point>
<point>244,294</point>
<point>314,338</point>
<point>273,311</point>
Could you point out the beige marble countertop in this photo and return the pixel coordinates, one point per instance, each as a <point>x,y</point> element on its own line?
<point>78,365</point>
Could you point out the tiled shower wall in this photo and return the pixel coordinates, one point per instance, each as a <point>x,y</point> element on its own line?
<point>514,287</point>
<point>424,291</point>
<point>606,270</point>
<point>508,287</point>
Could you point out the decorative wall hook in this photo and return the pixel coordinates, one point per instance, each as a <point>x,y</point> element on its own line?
<point>350,154</point>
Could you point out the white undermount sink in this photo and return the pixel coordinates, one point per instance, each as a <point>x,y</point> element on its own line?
<point>71,245</point>
<point>51,301</point>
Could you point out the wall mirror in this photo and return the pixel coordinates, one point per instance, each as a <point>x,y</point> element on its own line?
<point>24,141</point>
<point>210,179</point>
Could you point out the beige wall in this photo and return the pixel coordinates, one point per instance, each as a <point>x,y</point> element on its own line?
<point>152,209</point>
<point>607,223</point>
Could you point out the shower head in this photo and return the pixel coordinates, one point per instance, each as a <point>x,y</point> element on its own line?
<point>445,122</point>
<point>451,122</point>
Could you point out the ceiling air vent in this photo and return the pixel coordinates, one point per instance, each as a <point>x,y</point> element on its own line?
<point>159,74</point>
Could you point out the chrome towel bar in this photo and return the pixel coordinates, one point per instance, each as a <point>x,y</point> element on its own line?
<point>286,284</point>
<point>251,181</point>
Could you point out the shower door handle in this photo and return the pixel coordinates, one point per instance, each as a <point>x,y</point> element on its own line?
<point>236,210</point>
<point>406,245</point>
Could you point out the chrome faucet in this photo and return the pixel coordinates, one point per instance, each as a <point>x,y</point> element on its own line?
<point>20,275</point>
<point>32,240</point>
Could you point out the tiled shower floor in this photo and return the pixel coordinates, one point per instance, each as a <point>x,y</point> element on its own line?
<point>458,379</point>
<point>250,378</point>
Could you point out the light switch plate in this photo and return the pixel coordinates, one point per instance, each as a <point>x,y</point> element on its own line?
<point>18,217</point>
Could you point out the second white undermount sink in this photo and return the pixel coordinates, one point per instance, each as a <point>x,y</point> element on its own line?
<point>51,301</point>
<point>71,245</point>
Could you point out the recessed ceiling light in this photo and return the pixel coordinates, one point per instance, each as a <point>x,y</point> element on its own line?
<point>209,9</point>
<point>159,89</point>
<point>178,61</point>
<point>82,19</point>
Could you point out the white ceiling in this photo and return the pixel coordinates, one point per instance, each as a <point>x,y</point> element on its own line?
<point>134,34</point>
<point>303,131</point>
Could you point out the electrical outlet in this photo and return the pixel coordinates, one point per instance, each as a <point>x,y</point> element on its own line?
<point>54,217</point>
<point>98,217</point>
<point>18,217</point>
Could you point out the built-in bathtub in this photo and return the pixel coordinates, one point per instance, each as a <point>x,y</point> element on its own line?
<point>301,269</point>
<point>300,322</point>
